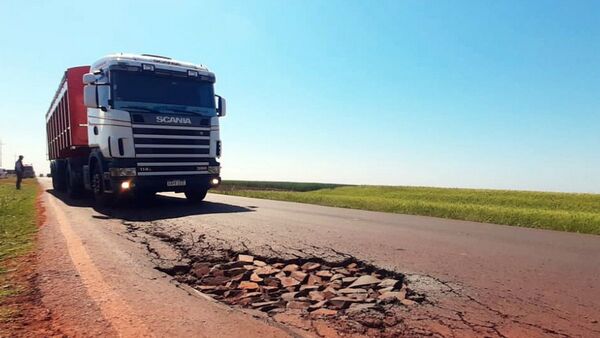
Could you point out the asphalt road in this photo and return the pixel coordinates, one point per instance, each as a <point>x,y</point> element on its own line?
<point>480,279</point>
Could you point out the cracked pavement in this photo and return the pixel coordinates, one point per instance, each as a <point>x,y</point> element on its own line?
<point>479,279</point>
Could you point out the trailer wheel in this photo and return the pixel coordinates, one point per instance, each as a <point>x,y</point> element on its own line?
<point>73,187</point>
<point>100,196</point>
<point>54,178</point>
<point>196,195</point>
<point>58,175</point>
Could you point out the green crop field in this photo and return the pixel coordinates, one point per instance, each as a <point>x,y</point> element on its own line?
<point>17,230</point>
<point>545,210</point>
<point>276,186</point>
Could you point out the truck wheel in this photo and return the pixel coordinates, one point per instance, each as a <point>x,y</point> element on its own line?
<point>196,195</point>
<point>73,187</point>
<point>58,176</point>
<point>100,196</point>
<point>54,178</point>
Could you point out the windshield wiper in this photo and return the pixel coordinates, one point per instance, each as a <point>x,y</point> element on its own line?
<point>142,109</point>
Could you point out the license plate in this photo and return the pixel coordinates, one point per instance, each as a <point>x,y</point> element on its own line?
<point>176,183</point>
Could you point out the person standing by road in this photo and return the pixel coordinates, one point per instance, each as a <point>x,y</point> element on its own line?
<point>19,171</point>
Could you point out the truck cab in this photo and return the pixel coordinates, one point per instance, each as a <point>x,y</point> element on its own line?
<point>152,126</point>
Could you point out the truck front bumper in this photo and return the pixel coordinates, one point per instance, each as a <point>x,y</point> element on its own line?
<point>163,184</point>
<point>124,176</point>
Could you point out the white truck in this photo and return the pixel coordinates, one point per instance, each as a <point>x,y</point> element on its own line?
<point>135,124</point>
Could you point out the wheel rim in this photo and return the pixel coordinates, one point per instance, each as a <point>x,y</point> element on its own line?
<point>96,184</point>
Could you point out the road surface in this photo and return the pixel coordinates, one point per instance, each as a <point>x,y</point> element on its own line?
<point>479,279</point>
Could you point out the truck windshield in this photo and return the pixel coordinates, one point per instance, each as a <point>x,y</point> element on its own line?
<point>159,91</point>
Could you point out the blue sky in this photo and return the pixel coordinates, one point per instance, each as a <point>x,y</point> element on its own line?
<point>487,94</point>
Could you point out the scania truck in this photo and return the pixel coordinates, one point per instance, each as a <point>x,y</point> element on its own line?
<point>135,125</point>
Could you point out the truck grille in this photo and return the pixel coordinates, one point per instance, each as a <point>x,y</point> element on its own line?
<point>171,150</point>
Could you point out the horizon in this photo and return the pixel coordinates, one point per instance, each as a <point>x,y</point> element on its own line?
<point>410,186</point>
<point>475,95</point>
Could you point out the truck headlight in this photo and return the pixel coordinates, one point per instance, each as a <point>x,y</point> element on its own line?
<point>214,169</point>
<point>122,172</point>
<point>219,149</point>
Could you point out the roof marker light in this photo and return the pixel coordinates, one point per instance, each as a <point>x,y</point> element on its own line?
<point>147,67</point>
<point>193,73</point>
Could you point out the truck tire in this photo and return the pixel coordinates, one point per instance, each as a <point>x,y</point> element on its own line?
<point>58,175</point>
<point>101,197</point>
<point>196,195</point>
<point>74,188</point>
<point>53,175</point>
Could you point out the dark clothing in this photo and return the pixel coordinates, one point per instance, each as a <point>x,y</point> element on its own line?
<point>19,171</point>
<point>19,179</point>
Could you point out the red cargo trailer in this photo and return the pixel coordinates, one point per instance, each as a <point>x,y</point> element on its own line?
<point>66,120</point>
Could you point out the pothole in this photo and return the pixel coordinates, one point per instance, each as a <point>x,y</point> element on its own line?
<point>325,292</point>
<point>357,296</point>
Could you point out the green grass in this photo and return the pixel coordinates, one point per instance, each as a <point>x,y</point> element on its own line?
<point>276,186</point>
<point>17,226</point>
<point>544,210</point>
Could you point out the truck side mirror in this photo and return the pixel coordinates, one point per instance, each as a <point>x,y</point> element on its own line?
<point>221,106</point>
<point>90,96</point>
<point>89,78</point>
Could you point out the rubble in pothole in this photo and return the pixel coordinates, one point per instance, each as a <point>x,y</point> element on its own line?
<point>306,287</point>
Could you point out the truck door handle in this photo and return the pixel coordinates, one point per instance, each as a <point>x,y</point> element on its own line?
<point>121,147</point>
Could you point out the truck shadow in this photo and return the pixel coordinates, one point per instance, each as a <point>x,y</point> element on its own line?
<point>153,209</point>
